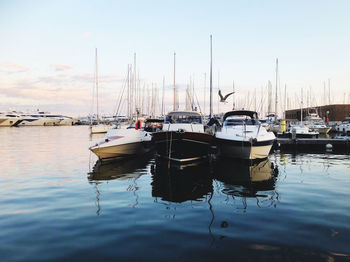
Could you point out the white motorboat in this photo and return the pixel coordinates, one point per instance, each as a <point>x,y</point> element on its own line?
<point>182,138</point>
<point>242,136</point>
<point>344,126</point>
<point>315,123</point>
<point>300,130</point>
<point>123,142</point>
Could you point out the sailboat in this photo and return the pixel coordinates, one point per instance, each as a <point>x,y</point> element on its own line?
<point>300,130</point>
<point>100,128</point>
<point>128,140</point>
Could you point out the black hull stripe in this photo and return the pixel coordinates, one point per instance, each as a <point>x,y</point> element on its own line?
<point>244,143</point>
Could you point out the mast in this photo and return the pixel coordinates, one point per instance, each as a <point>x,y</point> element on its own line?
<point>301,115</point>
<point>269,91</point>
<point>276,89</point>
<point>233,95</point>
<point>329,91</point>
<point>163,96</point>
<point>96,83</point>
<point>129,114</point>
<point>205,89</point>
<point>285,101</point>
<point>134,85</point>
<point>211,79</point>
<point>174,106</point>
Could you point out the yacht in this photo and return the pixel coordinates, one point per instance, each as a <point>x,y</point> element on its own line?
<point>344,126</point>
<point>300,130</point>
<point>242,136</point>
<point>39,118</point>
<point>9,119</point>
<point>315,123</point>
<point>123,142</point>
<point>182,137</point>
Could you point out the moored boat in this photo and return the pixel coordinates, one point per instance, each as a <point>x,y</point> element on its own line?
<point>122,142</point>
<point>242,136</point>
<point>182,138</point>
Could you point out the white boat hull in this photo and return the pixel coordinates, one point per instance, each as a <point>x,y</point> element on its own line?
<point>243,150</point>
<point>122,143</point>
<point>6,122</point>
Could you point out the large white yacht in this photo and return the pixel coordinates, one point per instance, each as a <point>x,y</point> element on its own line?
<point>243,137</point>
<point>182,137</point>
<point>9,119</point>
<point>39,118</point>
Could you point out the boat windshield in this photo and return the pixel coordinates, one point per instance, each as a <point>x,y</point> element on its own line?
<point>240,121</point>
<point>183,119</point>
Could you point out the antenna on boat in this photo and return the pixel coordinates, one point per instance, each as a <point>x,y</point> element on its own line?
<point>211,78</point>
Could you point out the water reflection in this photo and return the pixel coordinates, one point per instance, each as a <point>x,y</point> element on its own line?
<point>248,180</point>
<point>129,169</point>
<point>180,183</point>
<point>120,169</point>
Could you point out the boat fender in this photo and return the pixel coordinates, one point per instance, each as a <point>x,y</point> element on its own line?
<point>329,146</point>
<point>138,125</point>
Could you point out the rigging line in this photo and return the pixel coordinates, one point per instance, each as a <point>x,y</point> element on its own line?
<point>120,98</point>
<point>199,106</point>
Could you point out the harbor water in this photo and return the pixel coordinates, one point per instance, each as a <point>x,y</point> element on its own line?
<point>57,204</point>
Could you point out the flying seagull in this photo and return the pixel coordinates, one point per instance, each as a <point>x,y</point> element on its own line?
<point>223,98</point>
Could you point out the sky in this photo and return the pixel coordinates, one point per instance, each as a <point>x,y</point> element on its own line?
<point>47,57</point>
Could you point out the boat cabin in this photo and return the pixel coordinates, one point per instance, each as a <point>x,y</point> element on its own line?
<point>183,117</point>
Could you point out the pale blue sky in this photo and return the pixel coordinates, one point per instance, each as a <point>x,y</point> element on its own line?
<point>47,47</point>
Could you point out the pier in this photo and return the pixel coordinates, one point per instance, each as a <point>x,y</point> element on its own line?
<point>340,145</point>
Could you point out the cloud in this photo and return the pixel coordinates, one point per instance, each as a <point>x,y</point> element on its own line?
<point>86,35</point>
<point>11,68</point>
<point>61,67</point>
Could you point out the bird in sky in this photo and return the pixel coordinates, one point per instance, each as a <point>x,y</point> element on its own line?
<point>223,98</point>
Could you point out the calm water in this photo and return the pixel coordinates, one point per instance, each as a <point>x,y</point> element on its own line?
<point>57,205</point>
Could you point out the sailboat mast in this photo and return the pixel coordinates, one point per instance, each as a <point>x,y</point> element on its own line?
<point>233,95</point>
<point>96,83</point>
<point>329,91</point>
<point>276,89</point>
<point>174,106</point>
<point>301,114</point>
<point>134,86</point>
<point>205,90</point>
<point>163,96</point>
<point>211,79</point>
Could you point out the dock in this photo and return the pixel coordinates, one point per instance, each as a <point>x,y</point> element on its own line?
<point>336,145</point>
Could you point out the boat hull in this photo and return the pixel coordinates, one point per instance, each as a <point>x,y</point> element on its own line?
<point>321,130</point>
<point>124,150</point>
<point>182,146</point>
<point>243,149</point>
